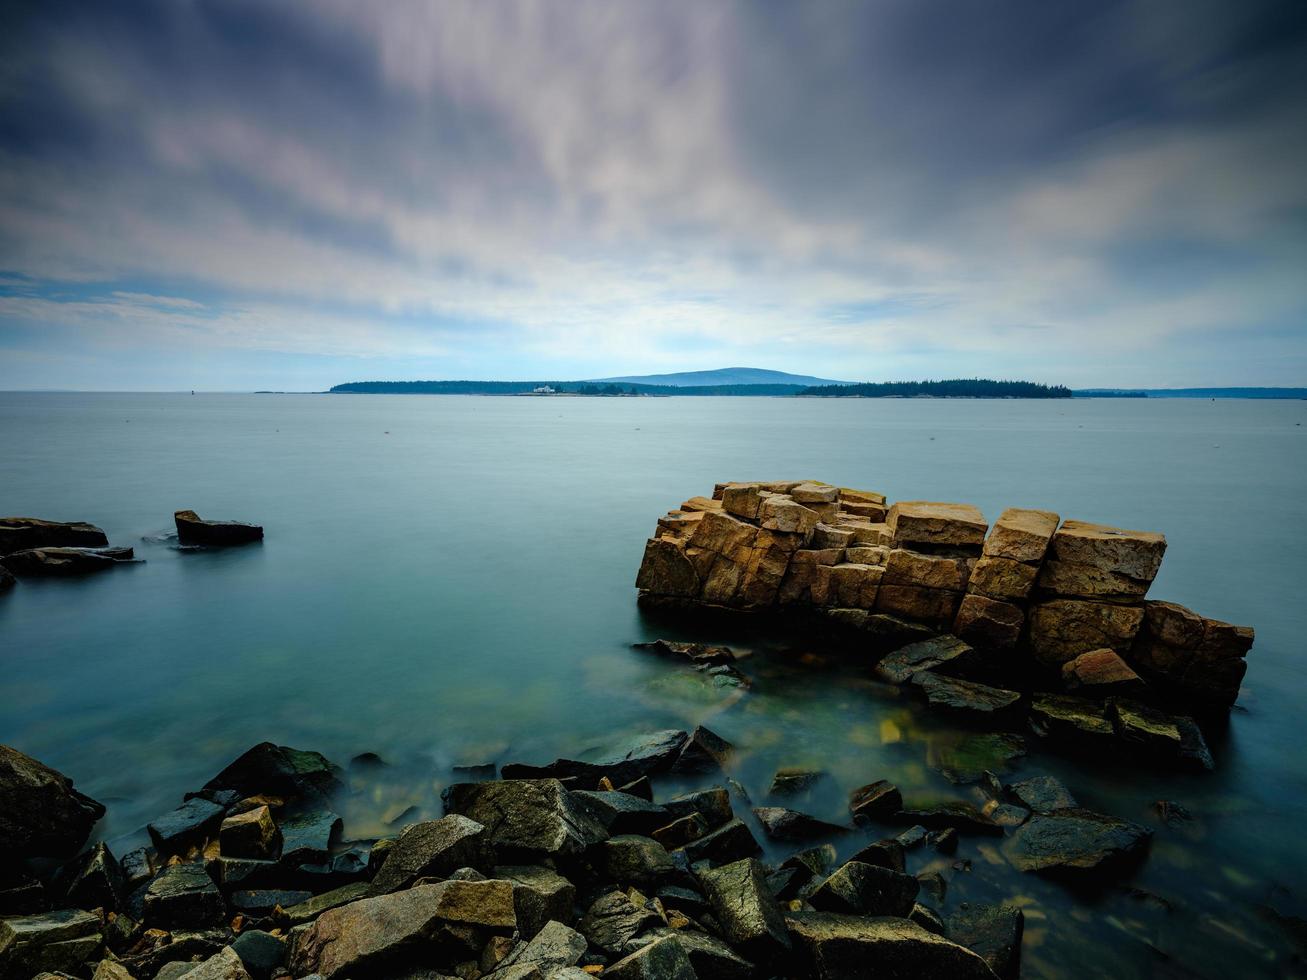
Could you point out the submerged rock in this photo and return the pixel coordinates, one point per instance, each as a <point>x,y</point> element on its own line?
<point>794,781</point>
<point>968,699</point>
<point>1077,842</point>
<point>66,561</point>
<point>782,824</point>
<point>958,814</point>
<point>191,529</point>
<point>40,811</point>
<point>26,533</point>
<point>899,666</point>
<point>832,946</point>
<point>880,800</point>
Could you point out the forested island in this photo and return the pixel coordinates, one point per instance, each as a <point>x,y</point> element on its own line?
<point>957,388</point>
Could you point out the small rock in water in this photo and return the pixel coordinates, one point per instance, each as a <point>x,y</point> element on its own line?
<point>993,932</point>
<point>191,529</point>
<point>782,824</point>
<point>1077,842</point>
<point>56,562</point>
<point>1042,794</point>
<point>864,889</point>
<point>794,781</point>
<point>880,801</point>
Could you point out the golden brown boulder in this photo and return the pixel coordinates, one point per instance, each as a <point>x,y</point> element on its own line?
<point>1100,672</point>
<point>666,570</point>
<point>1062,629</point>
<point>934,606</point>
<point>1133,554</point>
<point>726,535</point>
<point>743,499</point>
<point>781,513</point>
<point>856,585</point>
<point>926,571</point>
<point>1021,535</point>
<point>815,493</point>
<point>931,523</point>
<point>985,622</point>
<point>1002,579</point>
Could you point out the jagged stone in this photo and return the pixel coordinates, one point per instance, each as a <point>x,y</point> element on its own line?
<point>279,770</point>
<point>958,814</point>
<point>40,811</point>
<point>1114,551</point>
<point>527,819</point>
<point>55,941</point>
<point>666,570</point>
<point>742,903</point>
<point>251,834</point>
<point>260,952</point>
<point>310,909</point>
<point>621,762</point>
<point>635,860</point>
<point>866,889</point>
<point>1077,842</point>
<point>308,836</point>
<point>713,804</point>
<point>623,813</point>
<point>554,947</point>
<point>1100,673</point>
<point>889,854</point>
<point>880,800</point>
<point>663,959</point>
<point>833,946</point>
<point>184,896</point>
<point>97,880</point>
<point>1002,579</point>
<point>988,623</point>
<point>223,965</point>
<point>1042,794</point>
<point>1076,722</point>
<point>186,826</point>
<point>539,895</point>
<point>703,751</point>
<point>711,958</point>
<point>968,699</point>
<point>792,781</point>
<point>730,842</point>
<point>613,923</point>
<point>780,823</point>
<point>1021,535</point>
<point>192,529</point>
<point>993,932</point>
<point>903,567</point>
<point>433,849</point>
<point>923,522</point>
<point>59,562</point>
<point>899,667</point>
<point>680,832</point>
<point>26,533</point>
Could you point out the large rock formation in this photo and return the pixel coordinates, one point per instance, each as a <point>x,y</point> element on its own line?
<point>1032,592</point>
<point>25,533</point>
<point>192,529</point>
<point>40,812</point>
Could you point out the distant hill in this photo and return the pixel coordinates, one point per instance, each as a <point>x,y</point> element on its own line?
<point>721,376</point>
<point>605,388</point>
<point>956,388</point>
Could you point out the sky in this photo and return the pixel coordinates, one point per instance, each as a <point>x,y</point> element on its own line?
<point>290,195</point>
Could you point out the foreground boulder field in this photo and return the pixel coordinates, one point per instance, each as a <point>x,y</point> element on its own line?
<point>1048,603</point>
<point>563,877</point>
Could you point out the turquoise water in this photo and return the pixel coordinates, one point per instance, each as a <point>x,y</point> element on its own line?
<point>449,580</point>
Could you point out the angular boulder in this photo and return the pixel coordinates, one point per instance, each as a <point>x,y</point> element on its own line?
<point>780,823</point>
<point>958,814</point>
<point>663,959</point>
<point>730,842</point>
<point>250,834</point>
<point>96,881</point>
<point>1002,579</point>
<point>1098,554</point>
<point>865,889</point>
<point>666,570</point>
<point>191,529</point>
<point>921,522</point>
<point>968,699</point>
<point>25,533</point>
<point>183,896</point>
<point>948,651</point>
<point>834,946</point>
<point>411,928</point>
<point>40,811</point>
<point>1100,673</point>
<point>527,819</point>
<point>987,623</point>
<point>186,826</point>
<point>879,801</point>
<point>279,770</point>
<point>1077,843</point>
<point>1062,629</point>
<point>540,894</point>
<point>623,761</point>
<point>433,849</point>
<point>1021,535</point>
<point>992,932</point>
<point>613,924</point>
<point>49,941</point>
<point>742,903</point>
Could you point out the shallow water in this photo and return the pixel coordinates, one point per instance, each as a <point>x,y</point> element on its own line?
<point>448,580</point>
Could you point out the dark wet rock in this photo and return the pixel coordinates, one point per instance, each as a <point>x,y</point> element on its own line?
<point>958,814</point>
<point>308,836</point>
<point>251,834</point>
<point>476,772</point>
<point>732,841</point>
<point>782,824</point>
<point>968,699</point>
<point>713,804</point>
<point>191,529</point>
<point>967,758</point>
<point>433,849</point>
<point>96,880</point>
<point>889,854</point>
<point>554,947</point>
<point>260,952</point>
<point>40,812</point>
<point>415,927</point>
<point>933,884</point>
<point>813,862</point>
<point>1077,842</point>
<point>927,918</point>
<point>699,653</point>
<point>750,918</point>
<point>1006,814</point>
<point>21,893</point>
<point>832,946</point>
<point>371,762</point>
<point>913,837</point>
<point>1172,813</point>
<point>704,751</point>
<point>711,958</point>
<point>1074,722</point>
<point>1159,737</point>
<point>663,959</point>
<point>160,951</point>
<point>539,894</point>
<point>279,770</point>
<point>622,762</point>
<point>993,932</point>
<point>7,580</point>
<point>527,819</point>
<point>794,781</point>
<point>184,896</point>
<point>684,899</point>
<point>878,801</point>
<point>945,841</point>
<point>136,868</point>
<point>634,860</point>
<point>187,826</point>
<point>680,832</point>
<point>233,873</point>
<point>947,652</point>
<point>57,562</point>
<point>262,901</point>
<point>641,787</point>
<point>613,923</point>
<point>225,964</point>
<point>311,908</point>
<point>57,941</point>
<point>24,533</point>
<point>1042,794</point>
<point>864,889</point>
<point>622,813</point>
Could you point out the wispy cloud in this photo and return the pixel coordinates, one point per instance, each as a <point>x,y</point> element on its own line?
<point>531,190</point>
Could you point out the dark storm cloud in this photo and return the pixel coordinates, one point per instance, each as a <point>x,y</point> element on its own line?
<point>831,186</point>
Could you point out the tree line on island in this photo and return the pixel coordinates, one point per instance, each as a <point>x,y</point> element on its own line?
<point>957,388</point>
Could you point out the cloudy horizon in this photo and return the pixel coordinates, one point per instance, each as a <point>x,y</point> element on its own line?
<point>240,196</point>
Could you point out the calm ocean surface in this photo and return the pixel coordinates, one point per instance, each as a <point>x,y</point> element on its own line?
<point>449,580</point>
